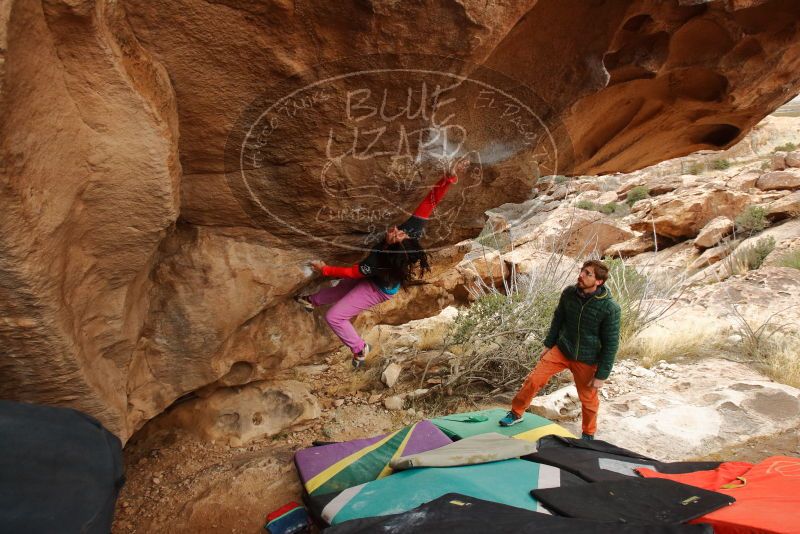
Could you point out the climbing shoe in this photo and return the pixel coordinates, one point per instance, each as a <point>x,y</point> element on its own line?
<point>587,437</point>
<point>360,358</point>
<point>511,419</point>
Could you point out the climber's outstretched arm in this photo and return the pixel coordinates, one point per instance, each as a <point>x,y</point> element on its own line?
<point>416,223</point>
<point>434,196</point>
<point>352,271</point>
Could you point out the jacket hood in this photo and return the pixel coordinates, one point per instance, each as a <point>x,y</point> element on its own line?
<point>602,292</point>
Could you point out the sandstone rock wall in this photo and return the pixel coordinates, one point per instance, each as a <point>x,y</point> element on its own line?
<point>90,185</point>
<point>131,275</point>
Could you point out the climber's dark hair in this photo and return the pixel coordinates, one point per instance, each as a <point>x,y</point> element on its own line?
<point>403,262</point>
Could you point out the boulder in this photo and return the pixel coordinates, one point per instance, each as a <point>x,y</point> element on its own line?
<point>529,259</point>
<point>574,232</point>
<point>683,213</point>
<point>744,181</point>
<point>393,403</point>
<point>561,191</point>
<point>606,198</point>
<point>669,261</point>
<point>91,173</point>
<point>496,224</point>
<point>694,409</point>
<point>588,185</point>
<point>213,281</point>
<point>787,247</point>
<point>490,267</point>
<point>241,414</point>
<point>662,185</point>
<point>778,161</point>
<point>710,256</point>
<point>781,180</point>
<point>736,258</point>
<point>591,196</point>
<point>712,232</point>
<point>793,159</point>
<point>656,185</point>
<point>390,375</point>
<point>784,208</point>
<point>560,405</point>
<point>422,334</point>
<point>632,247</point>
<point>517,214</point>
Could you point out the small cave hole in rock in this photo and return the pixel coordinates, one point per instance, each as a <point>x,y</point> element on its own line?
<point>715,134</point>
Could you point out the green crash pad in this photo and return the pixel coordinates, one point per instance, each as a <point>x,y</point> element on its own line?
<point>508,482</point>
<point>463,425</point>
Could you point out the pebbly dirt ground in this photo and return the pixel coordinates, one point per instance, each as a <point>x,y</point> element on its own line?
<point>179,483</point>
<point>786,443</point>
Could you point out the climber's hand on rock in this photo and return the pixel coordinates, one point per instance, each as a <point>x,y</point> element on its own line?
<point>318,265</point>
<point>461,167</point>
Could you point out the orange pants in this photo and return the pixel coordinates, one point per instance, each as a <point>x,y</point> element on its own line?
<point>551,363</point>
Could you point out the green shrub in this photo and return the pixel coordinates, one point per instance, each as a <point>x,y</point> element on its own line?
<point>486,310</point>
<point>629,287</point>
<point>760,251</point>
<point>790,259</point>
<point>788,147</point>
<point>720,164</point>
<point>696,168</point>
<point>560,178</point>
<point>637,193</point>
<point>765,165</point>
<point>752,220</point>
<point>609,208</point>
<point>606,209</point>
<point>498,338</point>
<point>748,258</point>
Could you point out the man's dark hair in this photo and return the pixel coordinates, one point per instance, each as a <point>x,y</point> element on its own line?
<point>600,269</point>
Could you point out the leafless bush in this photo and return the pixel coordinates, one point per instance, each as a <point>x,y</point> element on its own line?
<point>771,346</point>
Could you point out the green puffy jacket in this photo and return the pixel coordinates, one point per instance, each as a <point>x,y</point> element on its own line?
<point>586,330</point>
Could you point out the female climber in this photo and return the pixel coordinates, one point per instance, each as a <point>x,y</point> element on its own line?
<point>391,265</point>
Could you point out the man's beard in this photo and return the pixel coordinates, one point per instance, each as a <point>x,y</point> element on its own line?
<point>583,289</point>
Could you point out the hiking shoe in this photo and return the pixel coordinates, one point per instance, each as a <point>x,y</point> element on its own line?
<point>587,437</point>
<point>360,358</point>
<point>511,419</point>
<point>305,303</point>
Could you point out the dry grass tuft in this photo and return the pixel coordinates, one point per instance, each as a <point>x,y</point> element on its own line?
<point>658,343</point>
